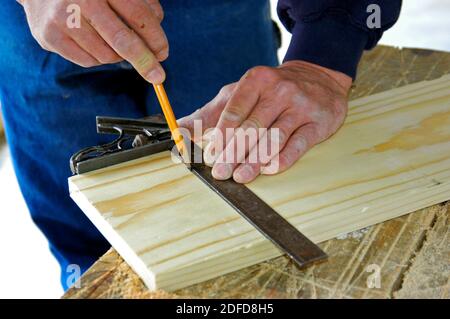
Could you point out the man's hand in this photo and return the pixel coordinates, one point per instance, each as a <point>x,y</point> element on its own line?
<point>306,102</point>
<point>110,31</point>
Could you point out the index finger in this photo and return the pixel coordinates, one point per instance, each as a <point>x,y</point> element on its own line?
<point>239,106</point>
<point>124,41</point>
<point>141,19</point>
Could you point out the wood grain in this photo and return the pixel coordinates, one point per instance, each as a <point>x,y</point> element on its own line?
<point>389,245</point>
<point>391,157</point>
<point>393,242</point>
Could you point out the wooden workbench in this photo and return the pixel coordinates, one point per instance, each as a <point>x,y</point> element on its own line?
<point>411,253</point>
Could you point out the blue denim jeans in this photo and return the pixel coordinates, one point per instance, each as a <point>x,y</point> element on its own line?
<point>49,104</point>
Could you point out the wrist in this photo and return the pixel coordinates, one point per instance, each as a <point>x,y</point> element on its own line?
<point>341,79</point>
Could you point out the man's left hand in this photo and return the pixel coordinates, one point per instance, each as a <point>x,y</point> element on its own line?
<point>306,102</point>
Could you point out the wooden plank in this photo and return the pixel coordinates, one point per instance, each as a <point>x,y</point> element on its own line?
<point>389,245</point>
<point>393,156</point>
<point>380,69</point>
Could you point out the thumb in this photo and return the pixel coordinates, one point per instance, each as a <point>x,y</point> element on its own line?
<point>207,116</point>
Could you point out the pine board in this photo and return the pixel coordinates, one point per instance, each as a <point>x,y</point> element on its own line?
<point>392,244</point>
<point>390,158</point>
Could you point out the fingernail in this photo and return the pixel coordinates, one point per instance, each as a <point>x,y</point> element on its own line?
<point>244,174</point>
<point>162,55</point>
<point>222,171</point>
<point>155,76</point>
<point>208,155</point>
<point>269,169</point>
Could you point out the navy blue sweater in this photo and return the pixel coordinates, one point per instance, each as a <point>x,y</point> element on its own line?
<point>334,33</point>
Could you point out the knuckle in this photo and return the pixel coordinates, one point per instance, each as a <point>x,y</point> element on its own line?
<point>278,135</point>
<point>336,122</point>
<point>108,58</point>
<point>56,15</point>
<point>140,17</point>
<point>312,88</point>
<point>300,144</point>
<point>322,132</point>
<point>340,110</point>
<point>286,87</point>
<point>145,62</point>
<point>39,36</point>
<point>122,39</point>
<point>93,10</point>
<point>232,114</point>
<point>160,15</point>
<point>157,9</point>
<point>227,90</point>
<point>259,70</point>
<point>252,123</point>
<point>157,39</point>
<point>49,31</point>
<point>262,72</point>
<point>301,100</point>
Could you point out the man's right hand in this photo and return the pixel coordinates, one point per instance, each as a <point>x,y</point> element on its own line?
<point>110,31</point>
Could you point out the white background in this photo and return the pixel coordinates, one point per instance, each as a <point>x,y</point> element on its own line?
<point>28,270</point>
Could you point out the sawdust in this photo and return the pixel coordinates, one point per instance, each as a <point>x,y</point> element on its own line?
<point>112,278</point>
<point>429,274</point>
<point>357,234</point>
<point>128,285</point>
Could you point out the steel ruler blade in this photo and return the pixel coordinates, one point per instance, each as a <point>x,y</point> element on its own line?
<point>263,217</point>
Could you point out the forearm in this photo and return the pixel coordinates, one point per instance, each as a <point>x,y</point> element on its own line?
<point>334,33</point>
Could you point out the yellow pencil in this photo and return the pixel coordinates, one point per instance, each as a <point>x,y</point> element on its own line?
<point>170,117</point>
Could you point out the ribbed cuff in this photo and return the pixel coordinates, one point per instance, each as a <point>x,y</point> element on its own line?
<point>330,41</point>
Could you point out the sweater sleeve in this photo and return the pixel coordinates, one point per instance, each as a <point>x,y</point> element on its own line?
<point>334,33</point>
